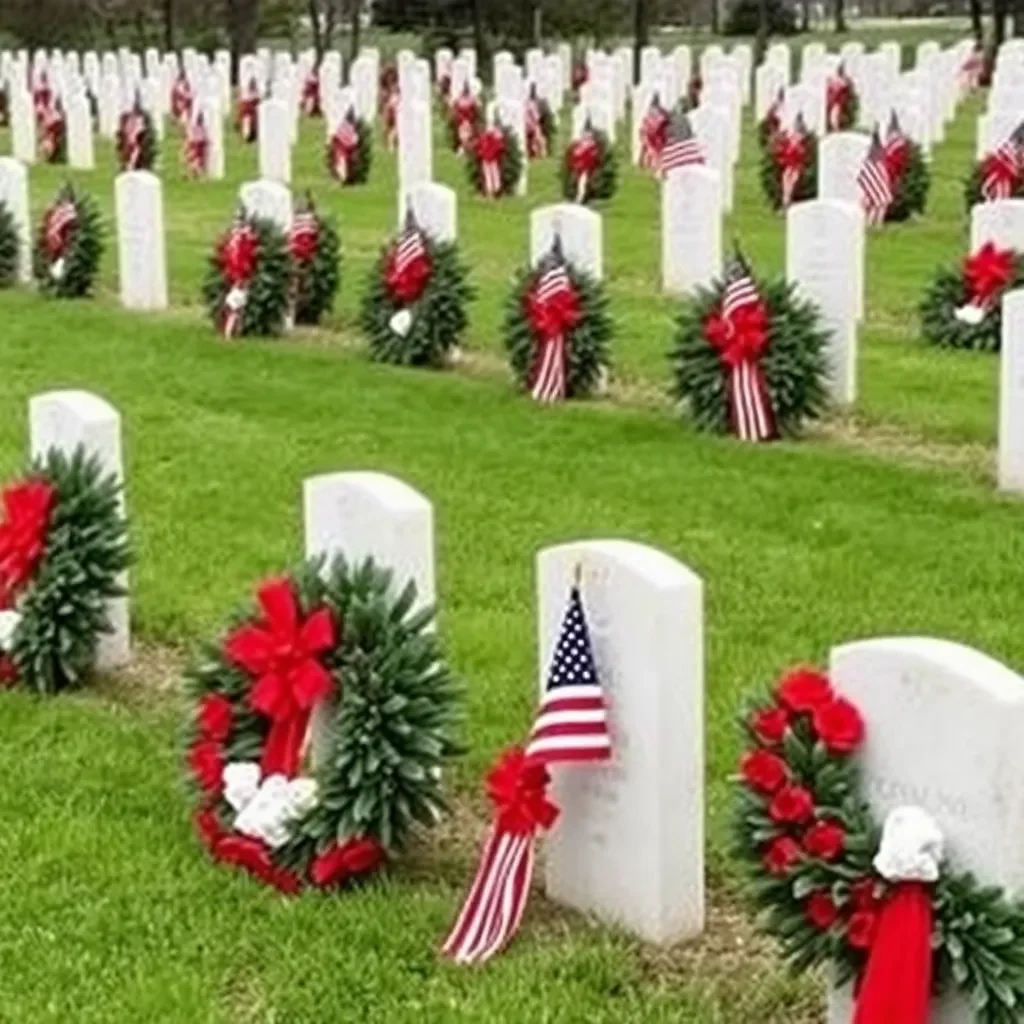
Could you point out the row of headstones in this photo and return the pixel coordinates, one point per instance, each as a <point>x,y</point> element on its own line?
<point>942,720</point>
<point>1005,109</point>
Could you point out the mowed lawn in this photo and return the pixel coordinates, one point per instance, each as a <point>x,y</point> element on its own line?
<point>108,910</point>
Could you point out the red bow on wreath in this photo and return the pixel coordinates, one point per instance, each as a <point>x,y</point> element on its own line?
<point>181,99</point>
<point>987,273</point>
<point>408,269</point>
<point>238,258</point>
<point>837,96</point>
<point>58,225</point>
<point>465,111</point>
<point>26,520</point>
<point>311,95</point>
<point>344,143</point>
<point>552,309</point>
<point>490,150</point>
<point>584,156</point>
<point>282,653</point>
<point>790,153</point>
<point>897,156</point>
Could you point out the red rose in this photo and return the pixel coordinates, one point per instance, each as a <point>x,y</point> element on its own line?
<point>207,764</point>
<point>781,856</point>
<point>839,726</point>
<point>863,894</point>
<point>821,911</point>
<point>770,724</point>
<point>804,689</point>
<point>860,932</point>
<point>215,717</point>
<point>824,840</point>
<point>763,771</point>
<point>207,826</point>
<point>791,805</point>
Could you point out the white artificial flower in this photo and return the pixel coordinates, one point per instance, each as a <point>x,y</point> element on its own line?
<point>241,783</point>
<point>236,298</point>
<point>970,314</point>
<point>9,621</point>
<point>401,323</point>
<point>57,270</point>
<point>279,802</point>
<point>911,847</point>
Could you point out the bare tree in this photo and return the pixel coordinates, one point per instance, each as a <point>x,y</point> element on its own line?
<point>323,19</point>
<point>243,18</point>
<point>977,29</point>
<point>840,15</point>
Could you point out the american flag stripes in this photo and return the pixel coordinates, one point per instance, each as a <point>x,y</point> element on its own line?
<point>197,146</point>
<point>549,381</point>
<point>651,132</point>
<point>1004,167</point>
<point>343,145</point>
<point>571,728</point>
<point>61,219</point>
<point>873,182</point>
<point>682,148</point>
<point>410,248</point>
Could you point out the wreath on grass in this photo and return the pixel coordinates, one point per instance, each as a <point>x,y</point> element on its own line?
<point>414,308</point>
<point>881,907</point>
<point>541,125</point>
<point>909,176</point>
<point>63,550</point>
<point>465,119</point>
<point>315,250</point>
<point>246,288</point>
<point>54,142</point>
<point>789,166</point>
<point>557,331</point>
<point>330,642</point>
<point>10,245</point>
<point>590,168</point>
<point>495,162</point>
<point>248,114</point>
<point>349,153</point>
<point>749,357</point>
<point>842,103</point>
<point>136,139</point>
<point>68,246</point>
<point>962,308</point>
<point>999,174</point>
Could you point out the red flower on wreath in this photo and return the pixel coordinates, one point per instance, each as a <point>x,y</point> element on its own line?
<point>860,932</point>
<point>517,786</point>
<point>821,910</point>
<point>864,894</point>
<point>347,860</point>
<point>740,337</point>
<point>408,270</point>
<point>770,724</point>
<point>804,689</point>
<point>216,717</point>
<point>791,805</point>
<point>839,726</point>
<point>281,652</point>
<point>239,253</point>
<point>26,510</point>
<point>206,759</point>
<point>781,855</point>
<point>763,771</point>
<point>825,839</point>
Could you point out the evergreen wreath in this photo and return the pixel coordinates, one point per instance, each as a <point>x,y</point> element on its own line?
<point>136,139</point>
<point>246,286</point>
<point>464,119</point>
<point>541,125</point>
<point>63,548</point>
<point>53,145</point>
<point>315,250</point>
<point>495,162</point>
<point>999,174</point>
<point>808,840</point>
<point>335,637</point>
<point>909,175</point>
<point>557,329</point>
<point>590,167</point>
<point>68,245</point>
<point>789,166</point>
<point>962,308</point>
<point>842,104</point>
<point>413,311</point>
<point>749,357</point>
<point>10,245</point>
<point>349,152</point>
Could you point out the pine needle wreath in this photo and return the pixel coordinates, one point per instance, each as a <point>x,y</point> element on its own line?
<point>426,330</point>
<point>10,245</point>
<point>390,717</point>
<point>510,162</point>
<point>602,170</point>
<point>954,315</point>
<point>807,839</point>
<point>315,248</point>
<point>973,185</point>
<point>353,144</point>
<point>772,168</point>
<point>68,246</point>
<point>793,362</point>
<point>64,547</point>
<point>136,140</point>
<point>910,191</point>
<point>587,344</point>
<point>256,288</point>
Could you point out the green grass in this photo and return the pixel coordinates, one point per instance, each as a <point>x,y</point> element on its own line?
<point>110,913</point>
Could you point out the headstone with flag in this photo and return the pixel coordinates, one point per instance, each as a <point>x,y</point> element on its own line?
<point>682,148</point>
<point>874,183</point>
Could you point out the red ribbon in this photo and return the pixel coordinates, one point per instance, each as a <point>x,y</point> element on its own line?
<point>181,99</point>
<point>347,860</point>
<point>407,282</point>
<point>490,149</point>
<point>465,111</point>
<point>790,154</point>
<point>239,254</point>
<point>897,155</point>
<point>837,96</point>
<point>247,112</point>
<point>742,337</point>
<point>26,519</point>
<point>988,272</point>
<point>281,652</point>
<point>517,786</point>
<point>311,96</point>
<point>896,986</point>
<point>584,155</point>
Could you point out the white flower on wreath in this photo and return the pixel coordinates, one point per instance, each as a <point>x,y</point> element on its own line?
<point>57,269</point>
<point>9,622</point>
<point>401,323</point>
<point>266,809</point>
<point>236,298</point>
<point>911,847</point>
<point>970,314</point>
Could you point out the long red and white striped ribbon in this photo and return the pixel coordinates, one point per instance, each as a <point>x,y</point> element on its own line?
<point>233,312</point>
<point>581,187</point>
<point>790,179</point>
<point>497,899</point>
<point>549,385</point>
<point>340,166</point>
<point>750,407</point>
<point>492,177</point>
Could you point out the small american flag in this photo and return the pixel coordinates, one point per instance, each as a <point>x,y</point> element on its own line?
<point>347,135</point>
<point>549,384</point>
<point>1004,165</point>
<point>740,289</point>
<point>410,247</point>
<point>874,184</point>
<point>682,148</point>
<point>62,217</point>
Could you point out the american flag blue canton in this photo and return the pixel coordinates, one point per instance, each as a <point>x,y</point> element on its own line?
<point>572,722</point>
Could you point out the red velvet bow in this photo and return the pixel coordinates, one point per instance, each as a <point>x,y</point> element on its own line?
<point>517,787</point>
<point>281,652</point>
<point>490,147</point>
<point>466,108</point>
<point>302,242</point>
<point>347,860</point>
<point>26,519</point>
<point>583,156</point>
<point>740,338</point>
<point>552,317</point>
<point>238,255</point>
<point>988,272</point>
<point>790,152</point>
<point>407,283</point>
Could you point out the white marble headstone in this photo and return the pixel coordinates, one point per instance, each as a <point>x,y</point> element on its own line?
<point>840,158</point>
<point>1001,222</point>
<point>79,125</point>
<point>275,147</point>
<point>691,229</point>
<point>435,208</point>
<point>269,199</point>
<point>141,249</point>
<point>580,230</point>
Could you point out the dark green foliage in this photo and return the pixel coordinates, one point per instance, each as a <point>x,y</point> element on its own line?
<point>794,361</point>
<point>744,18</point>
<point>771,174</point>
<point>267,302</point>
<point>603,182</point>
<point>438,318</point>
<point>148,145</point>
<point>9,246</point>
<point>588,345</point>
<point>910,194</point>
<point>64,607</point>
<point>83,256</point>
<point>972,187</point>
<point>511,165</point>
<point>316,283</point>
<point>945,295</point>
